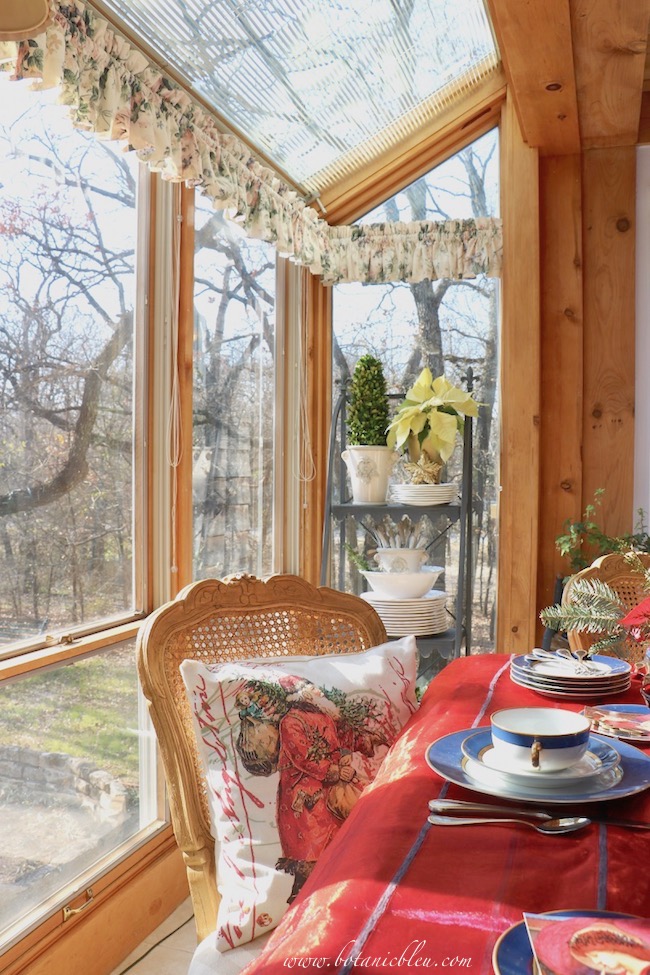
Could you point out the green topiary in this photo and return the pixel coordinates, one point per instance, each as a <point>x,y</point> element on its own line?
<point>368,406</point>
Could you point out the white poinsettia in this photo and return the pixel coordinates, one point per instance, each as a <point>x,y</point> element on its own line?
<point>430,417</point>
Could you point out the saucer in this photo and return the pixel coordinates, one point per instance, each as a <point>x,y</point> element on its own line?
<point>580,790</point>
<point>632,775</point>
<point>600,757</point>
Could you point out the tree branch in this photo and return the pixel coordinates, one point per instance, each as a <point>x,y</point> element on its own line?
<point>76,466</point>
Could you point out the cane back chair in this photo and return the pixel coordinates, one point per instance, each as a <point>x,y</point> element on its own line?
<point>628,586</point>
<point>216,621</point>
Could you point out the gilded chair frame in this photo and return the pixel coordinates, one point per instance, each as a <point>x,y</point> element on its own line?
<point>218,621</point>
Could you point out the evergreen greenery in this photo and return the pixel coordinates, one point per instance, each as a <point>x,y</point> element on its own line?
<point>357,558</point>
<point>584,540</point>
<point>368,405</point>
<point>595,608</point>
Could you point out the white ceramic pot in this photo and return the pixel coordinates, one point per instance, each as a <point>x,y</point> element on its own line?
<point>369,469</point>
<point>401,559</point>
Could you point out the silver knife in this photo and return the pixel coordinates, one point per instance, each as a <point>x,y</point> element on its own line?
<point>461,806</point>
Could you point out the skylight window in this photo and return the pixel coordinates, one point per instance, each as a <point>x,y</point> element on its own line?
<point>319,87</point>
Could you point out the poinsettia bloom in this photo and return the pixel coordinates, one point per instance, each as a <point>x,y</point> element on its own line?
<point>638,615</point>
<point>637,621</point>
<point>433,411</point>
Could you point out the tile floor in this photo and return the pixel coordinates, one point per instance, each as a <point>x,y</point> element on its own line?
<point>173,955</point>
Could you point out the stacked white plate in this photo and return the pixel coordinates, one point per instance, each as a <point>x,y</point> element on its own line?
<point>425,616</point>
<point>427,494</point>
<point>557,678</point>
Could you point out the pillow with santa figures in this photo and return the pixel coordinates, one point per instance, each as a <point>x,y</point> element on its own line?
<point>288,745</point>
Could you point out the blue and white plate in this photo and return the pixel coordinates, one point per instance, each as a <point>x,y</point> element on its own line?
<point>611,666</point>
<point>572,692</point>
<point>601,757</point>
<point>613,679</point>
<point>632,775</point>
<point>513,954</point>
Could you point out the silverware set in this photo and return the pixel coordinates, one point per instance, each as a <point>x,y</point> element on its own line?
<point>574,660</point>
<point>458,812</point>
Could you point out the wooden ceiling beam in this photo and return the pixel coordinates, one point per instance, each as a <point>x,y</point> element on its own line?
<point>610,39</point>
<point>537,51</point>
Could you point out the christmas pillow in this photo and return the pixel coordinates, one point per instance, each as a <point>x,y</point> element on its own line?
<point>288,745</point>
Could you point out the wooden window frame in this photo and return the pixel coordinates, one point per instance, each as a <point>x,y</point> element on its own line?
<point>143,881</point>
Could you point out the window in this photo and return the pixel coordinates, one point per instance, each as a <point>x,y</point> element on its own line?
<point>233,401</point>
<point>325,87</point>
<point>76,783</point>
<point>67,225</point>
<point>445,325</point>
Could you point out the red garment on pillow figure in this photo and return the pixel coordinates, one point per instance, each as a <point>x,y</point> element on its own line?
<point>308,764</point>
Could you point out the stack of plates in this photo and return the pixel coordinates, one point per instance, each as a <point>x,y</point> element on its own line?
<point>428,494</point>
<point>425,616</point>
<point>557,679</point>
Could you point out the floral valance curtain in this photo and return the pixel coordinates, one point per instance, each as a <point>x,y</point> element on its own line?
<point>115,91</point>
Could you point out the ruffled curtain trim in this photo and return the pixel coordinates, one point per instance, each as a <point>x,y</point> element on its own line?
<point>113,90</point>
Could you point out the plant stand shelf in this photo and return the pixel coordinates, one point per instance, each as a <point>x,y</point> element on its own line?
<point>436,649</point>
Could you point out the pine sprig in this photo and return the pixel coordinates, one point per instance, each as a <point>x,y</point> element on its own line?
<point>595,608</point>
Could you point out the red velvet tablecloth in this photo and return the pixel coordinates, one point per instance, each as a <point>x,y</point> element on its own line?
<point>392,893</point>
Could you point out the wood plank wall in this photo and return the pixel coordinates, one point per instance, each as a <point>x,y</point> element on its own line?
<point>609,184</point>
<point>561,360</point>
<point>587,330</point>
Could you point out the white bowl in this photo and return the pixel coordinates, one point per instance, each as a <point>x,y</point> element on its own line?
<point>403,585</point>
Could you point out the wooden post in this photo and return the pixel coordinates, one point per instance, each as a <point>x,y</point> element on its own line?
<point>520,421</point>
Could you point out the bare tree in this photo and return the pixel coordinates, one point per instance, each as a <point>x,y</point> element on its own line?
<point>66,326</point>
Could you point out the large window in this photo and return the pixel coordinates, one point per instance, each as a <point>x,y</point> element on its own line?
<point>446,325</point>
<point>74,746</point>
<point>234,399</point>
<point>67,232</point>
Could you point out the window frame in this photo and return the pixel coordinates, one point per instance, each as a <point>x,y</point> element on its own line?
<point>151,521</point>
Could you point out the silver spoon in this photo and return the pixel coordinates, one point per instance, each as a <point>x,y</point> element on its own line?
<point>565,825</point>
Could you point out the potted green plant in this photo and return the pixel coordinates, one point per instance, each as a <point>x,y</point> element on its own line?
<point>584,540</point>
<point>427,425</point>
<point>368,458</point>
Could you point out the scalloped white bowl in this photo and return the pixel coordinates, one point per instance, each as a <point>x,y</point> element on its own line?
<point>403,585</point>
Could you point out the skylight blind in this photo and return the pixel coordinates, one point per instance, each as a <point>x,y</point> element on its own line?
<point>319,86</point>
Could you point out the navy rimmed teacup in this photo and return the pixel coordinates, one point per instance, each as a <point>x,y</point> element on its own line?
<point>548,739</point>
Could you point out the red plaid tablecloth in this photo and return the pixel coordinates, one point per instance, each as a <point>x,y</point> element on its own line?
<point>392,893</point>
